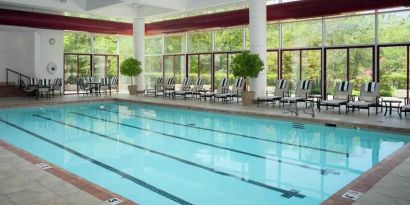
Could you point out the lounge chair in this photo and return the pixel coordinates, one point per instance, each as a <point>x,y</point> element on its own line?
<point>369,97</point>
<point>342,95</point>
<point>44,88</point>
<point>235,92</point>
<point>156,88</point>
<point>81,86</point>
<point>56,85</point>
<point>31,89</point>
<point>281,90</point>
<point>223,87</point>
<point>169,87</point>
<point>303,90</point>
<point>107,84</point>
<point>405,108</point>
<point>186,86</point>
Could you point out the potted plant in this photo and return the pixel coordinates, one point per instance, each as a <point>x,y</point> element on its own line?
<point>131,67</point>
<point>247,65</point>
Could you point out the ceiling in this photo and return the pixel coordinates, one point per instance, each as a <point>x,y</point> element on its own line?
<point>125,9</point>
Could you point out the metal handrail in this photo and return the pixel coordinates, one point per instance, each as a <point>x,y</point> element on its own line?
<point>20,75</point>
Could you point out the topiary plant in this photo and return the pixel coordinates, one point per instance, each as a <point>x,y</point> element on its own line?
<point>131,67</point>
<point>246,65</point>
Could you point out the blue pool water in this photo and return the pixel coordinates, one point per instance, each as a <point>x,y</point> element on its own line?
<point>160,156</point>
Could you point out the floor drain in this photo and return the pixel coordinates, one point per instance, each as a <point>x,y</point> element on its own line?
<point>352,195</point>
<point>114,201</point>
<point>43,165</point>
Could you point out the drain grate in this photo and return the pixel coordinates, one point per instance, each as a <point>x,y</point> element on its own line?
<point>352,195</point>
<point>43,165</point>
<point>114,201</point>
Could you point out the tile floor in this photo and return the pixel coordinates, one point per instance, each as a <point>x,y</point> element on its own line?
<point>23,183</point>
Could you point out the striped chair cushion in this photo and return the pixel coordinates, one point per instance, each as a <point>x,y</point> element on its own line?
<point>44,82</point>
<point>370,87</point>
<point>224,82</point>
<point>33,81</point>
<point>281,84</point>
<point>343,86</point>
<point>104,81</point>
<point>170,81</point>
<point>304,85</point>
<point>159,80</point>
<point>239,83</point>
<point>113,80</point>
<point>199,81</point>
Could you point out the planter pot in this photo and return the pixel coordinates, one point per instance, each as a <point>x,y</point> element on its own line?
<point>133,89</point>
<point>247,97</point>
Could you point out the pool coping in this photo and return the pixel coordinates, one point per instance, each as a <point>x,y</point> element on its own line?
<point>308,120</point>
<point>304,119</point>
<point>77,181</point>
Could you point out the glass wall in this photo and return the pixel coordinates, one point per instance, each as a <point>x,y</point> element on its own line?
<point>295,51</point>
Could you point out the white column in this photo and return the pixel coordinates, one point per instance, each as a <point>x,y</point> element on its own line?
<point>257,26</point>
<point>138,29</point>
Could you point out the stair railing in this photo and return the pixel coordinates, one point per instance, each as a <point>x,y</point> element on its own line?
<point>15,72</point>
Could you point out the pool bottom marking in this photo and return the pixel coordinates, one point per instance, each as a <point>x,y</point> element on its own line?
<point>231,133</point>
<point>102,165</point>
<point>260,184</point>
<point>322,171</point>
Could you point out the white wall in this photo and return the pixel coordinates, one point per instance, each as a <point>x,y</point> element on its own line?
<point>28,51</point>
<point>46,53</point>
<point>17,52</point>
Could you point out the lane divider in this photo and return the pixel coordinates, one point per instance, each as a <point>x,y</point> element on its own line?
<point>231,133</point>
<point>250,181</point>
<point>322,171</point>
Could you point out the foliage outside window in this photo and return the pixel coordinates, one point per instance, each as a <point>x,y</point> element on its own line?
<point>394,27</point>
<point>175,44</point>
<point>302,34</point>
<point>272,36</point>
<point>230,39</point>
<point>153,45</point>
<point>200,42</point>
<point>77,42</point>
<point>354,30</point>
<point>105,44</point>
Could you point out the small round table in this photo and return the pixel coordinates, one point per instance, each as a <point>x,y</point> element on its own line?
<point>388,103</point>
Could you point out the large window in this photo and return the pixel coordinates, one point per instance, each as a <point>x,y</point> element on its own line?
<point>295,52</point>
<point>95,55</point>
<point>105,44</point>
<point>77,42</point>
<point>302,34</point>
<point>200,42</point>
<point>229,39</point>
<point>394,27</point>
<point>175,44</point>
<point>393,71</point>
<point>354,30</point>
<point>272,70</point>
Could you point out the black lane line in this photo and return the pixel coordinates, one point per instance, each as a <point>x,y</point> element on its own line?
<point>231,133</point>
<point>105,166</point>
<point>322,171</point>
<point>250,181</point>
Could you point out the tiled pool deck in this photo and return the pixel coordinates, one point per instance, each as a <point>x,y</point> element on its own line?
<point>386,183</point>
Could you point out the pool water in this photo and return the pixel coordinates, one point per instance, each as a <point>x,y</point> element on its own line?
<point>157,155</point>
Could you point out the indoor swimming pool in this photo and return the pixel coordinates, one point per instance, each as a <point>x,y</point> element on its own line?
<point>161,155</point>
